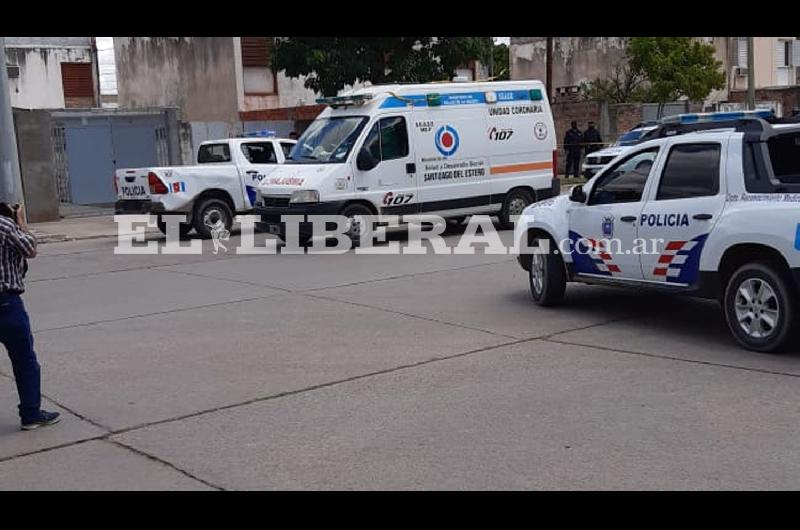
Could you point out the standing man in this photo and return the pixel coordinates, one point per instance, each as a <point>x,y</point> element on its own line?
<point>592,138</point>
<point>573,143</point>
<point>16,246</point>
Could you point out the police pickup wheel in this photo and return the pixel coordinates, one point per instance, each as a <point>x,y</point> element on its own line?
<point>760,307</point>
<point>208,213</point>
<point>516,201</point>
<point>546,276</point>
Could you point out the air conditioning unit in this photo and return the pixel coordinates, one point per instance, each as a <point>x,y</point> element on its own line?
<point>13,71</point>
<point>740,71</point>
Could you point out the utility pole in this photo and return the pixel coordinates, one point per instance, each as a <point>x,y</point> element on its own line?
<point>10,183</point>
<point>549,67</point>
<point>751,75</point>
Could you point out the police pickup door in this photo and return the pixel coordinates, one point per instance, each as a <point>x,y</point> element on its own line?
<point>221,185</point>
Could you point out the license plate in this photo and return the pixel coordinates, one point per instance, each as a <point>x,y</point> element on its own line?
<point>133,191</point>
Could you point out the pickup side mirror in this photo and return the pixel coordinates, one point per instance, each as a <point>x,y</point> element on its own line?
<point>577,194</point>
<point>365,161</point>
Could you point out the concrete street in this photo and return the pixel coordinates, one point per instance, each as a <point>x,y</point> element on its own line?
<point>383,372</point>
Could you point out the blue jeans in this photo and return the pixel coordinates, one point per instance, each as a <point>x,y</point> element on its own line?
<point>15,335</point>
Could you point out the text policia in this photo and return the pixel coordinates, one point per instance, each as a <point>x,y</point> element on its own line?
<point>479,232</point>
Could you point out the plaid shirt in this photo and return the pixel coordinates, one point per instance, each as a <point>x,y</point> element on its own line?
<point>15,246</point>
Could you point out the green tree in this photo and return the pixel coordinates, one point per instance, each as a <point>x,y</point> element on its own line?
<point>676,67</point>
<point>625,85</point>
<point>500,62</point>
<point>331,63</point>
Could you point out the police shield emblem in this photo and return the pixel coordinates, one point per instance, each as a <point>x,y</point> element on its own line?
<point>608,227</point>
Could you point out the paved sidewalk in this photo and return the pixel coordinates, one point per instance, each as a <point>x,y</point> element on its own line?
<point>71,229</point>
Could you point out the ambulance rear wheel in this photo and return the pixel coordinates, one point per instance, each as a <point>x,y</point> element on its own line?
<point>547,278</point>
<point>303,239</point>
<point>516,201</point>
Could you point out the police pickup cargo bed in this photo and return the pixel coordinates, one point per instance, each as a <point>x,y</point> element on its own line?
<point>222,184</point>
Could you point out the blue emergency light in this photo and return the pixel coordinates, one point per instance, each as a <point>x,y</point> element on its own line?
<point>343,101</point>
<point>719,116</point>
<point>263,133</point>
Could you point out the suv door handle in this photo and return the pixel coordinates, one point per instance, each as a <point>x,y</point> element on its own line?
<point>251,172</point>
<point>702,216</point>
<point>627,218</point>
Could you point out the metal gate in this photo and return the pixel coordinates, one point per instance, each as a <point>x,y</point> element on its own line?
<point>88,147</point>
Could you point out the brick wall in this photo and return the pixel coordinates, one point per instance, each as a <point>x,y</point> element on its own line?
<point>564,113</point>
<point>788,96</point>
<point>622,117</point>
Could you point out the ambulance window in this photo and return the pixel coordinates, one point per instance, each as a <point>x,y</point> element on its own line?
<point>692,170</point>
<point>259,153</point>
<point>625,181</point>
<point>373,142</point>
<point>394,138</point>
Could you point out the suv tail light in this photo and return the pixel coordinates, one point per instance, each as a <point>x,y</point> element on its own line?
<point>555,164</point>
<point>156,186</point>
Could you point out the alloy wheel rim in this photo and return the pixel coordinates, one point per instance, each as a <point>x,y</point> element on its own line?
<point>537,272</point>
<point>757,309</point>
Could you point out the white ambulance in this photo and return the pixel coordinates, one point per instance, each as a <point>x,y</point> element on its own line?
<point>451,149</point>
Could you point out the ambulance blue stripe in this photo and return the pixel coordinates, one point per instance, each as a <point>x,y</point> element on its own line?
<point>463,98</point>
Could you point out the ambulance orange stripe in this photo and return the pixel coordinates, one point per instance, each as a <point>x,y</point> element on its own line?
<point>516,168</point>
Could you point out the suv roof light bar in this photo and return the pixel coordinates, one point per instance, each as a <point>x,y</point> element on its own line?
<point>705,117</point>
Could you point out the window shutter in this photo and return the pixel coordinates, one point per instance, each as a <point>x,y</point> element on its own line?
<point>76,79</point>
<point>257,51</point>
<point>780,53</point>
<point>795,53</point>
<point>742,51</point>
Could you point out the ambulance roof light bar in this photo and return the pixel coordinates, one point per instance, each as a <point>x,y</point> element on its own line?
<point>345,101</point>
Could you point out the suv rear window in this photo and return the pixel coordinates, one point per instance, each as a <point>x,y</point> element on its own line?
<point>784,153</point>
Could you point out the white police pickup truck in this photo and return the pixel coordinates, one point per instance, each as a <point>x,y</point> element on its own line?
<point>713,203</point>
<point>222,184</point>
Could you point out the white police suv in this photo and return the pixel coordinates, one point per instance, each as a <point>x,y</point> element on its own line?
<point>707,205</point>
<point>597,160</point>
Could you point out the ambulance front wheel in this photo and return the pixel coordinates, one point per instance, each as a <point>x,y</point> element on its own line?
<point>516,201</point>
<point>547,278</point>
<point>183,228</point>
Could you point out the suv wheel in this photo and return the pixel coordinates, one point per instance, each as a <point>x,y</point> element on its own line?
<point>546,276</point>
<point>760,307</point>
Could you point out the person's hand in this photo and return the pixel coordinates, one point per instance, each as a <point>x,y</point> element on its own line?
<point>19,216</point>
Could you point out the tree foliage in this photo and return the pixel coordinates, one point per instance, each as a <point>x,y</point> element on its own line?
<point>625,85</point>
<point>500,64</point>
<point>676,67</point>
<point>659,70</point>
<point>331,63</point>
